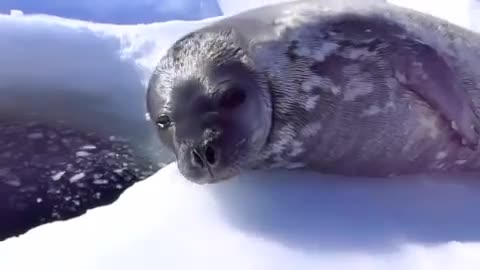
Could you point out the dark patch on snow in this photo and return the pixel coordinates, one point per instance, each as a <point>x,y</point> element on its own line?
<point>52,172</point>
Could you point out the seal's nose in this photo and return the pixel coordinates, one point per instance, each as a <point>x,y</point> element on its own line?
<point>204,156</point>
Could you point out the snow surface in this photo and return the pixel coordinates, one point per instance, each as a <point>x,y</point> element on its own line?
<point>281,220</point>
<point>231,7</point>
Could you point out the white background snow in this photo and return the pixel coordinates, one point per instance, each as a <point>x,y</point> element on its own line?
<point>259,221</point>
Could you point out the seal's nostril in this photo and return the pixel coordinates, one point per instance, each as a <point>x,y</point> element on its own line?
<point>203,156</point>
<point>197,159</point>
<point>210,154</point>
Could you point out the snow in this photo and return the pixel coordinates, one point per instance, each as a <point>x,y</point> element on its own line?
<point>278,223</point>
<point>260,220</point>
<point>460,14</point>
<point>230,7</point>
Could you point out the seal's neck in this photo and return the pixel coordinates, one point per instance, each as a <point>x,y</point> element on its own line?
<point>291,125</point>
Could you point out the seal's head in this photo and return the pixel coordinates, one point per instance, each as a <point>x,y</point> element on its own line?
<point>210,105</point>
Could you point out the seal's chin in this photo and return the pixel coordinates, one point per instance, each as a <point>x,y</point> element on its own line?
<point>207,179</point>
<point>203,176</point>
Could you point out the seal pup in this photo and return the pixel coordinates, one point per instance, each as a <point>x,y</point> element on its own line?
<point>357,88</point>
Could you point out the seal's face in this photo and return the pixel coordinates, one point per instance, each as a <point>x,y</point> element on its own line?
<point>210,107</point>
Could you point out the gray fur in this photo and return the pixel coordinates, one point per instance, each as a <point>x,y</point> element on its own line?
<point>343,102</point>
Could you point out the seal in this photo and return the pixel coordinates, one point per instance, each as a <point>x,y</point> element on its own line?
<point>353,88</point>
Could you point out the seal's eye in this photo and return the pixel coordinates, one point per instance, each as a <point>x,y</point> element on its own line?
<point>232,98</point>
<point>163,121</point>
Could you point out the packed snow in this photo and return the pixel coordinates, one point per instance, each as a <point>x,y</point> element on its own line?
<point>277,220</point>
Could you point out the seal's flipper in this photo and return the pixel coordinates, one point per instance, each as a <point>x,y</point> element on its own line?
<point>422,70</point>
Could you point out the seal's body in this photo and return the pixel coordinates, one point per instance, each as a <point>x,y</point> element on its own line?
<point>342,87</point>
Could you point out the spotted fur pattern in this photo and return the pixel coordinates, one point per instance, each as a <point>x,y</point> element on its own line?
<point>338,97</point>
<point>339,102</point>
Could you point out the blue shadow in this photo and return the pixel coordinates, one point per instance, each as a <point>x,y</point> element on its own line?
<point>315,212</point>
